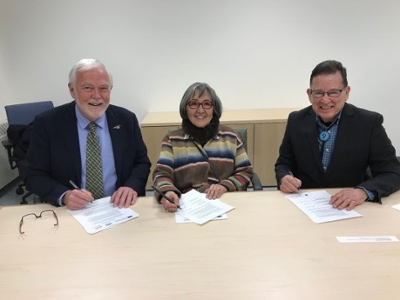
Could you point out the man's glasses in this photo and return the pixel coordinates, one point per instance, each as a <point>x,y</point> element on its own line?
<point>32,216</point>
<point>206,104</point>
<point>331,94</point>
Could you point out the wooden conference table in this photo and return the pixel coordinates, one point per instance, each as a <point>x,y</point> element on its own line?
<point>267,249</point>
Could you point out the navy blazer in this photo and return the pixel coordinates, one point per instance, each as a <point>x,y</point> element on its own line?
<point>361,145</point>
<point>53,157</point>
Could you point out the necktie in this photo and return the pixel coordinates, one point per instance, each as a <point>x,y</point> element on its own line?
<point>94,174</point>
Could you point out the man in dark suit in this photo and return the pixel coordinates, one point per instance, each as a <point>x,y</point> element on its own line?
<point>335,144</point>
<point>57,155</point>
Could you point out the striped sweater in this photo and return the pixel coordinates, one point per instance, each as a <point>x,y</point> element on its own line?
<point>182,167</point>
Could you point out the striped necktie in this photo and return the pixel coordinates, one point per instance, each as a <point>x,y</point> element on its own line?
<point>94,174</point>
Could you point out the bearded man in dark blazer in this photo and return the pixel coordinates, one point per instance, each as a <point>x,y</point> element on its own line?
<point>55,165</point>
<point>333,144</point>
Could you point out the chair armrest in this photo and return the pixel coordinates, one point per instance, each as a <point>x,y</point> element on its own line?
<point>9,146</point>
<point>257,186</point>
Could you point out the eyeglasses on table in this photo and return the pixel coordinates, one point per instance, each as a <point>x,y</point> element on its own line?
<point>43,214</point>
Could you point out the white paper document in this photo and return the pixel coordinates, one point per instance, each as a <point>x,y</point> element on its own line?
<point>316,206</point>
<point>180,219</point>
<point>101,215</point>
<point>397,206</point>
<point>367,239</point>
<point>198,209</point>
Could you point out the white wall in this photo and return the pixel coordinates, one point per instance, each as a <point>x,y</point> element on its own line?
<point>255,53</point>
<point>5,94</point>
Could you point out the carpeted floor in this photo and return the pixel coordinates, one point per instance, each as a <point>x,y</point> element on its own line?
<point>8,196</point>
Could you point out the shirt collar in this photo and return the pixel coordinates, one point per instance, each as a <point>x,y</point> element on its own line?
<point>322,125</point>
<point>83,122</point>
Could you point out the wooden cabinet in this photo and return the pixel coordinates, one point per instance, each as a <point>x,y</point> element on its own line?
<point>265,129</point>
<point>268,137</point>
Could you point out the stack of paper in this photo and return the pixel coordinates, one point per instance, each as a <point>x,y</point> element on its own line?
<point>316,206</point>
<point>198,209</point>
<point>101,214</point>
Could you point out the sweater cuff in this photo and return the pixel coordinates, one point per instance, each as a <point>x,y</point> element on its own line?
<point>230,187</point>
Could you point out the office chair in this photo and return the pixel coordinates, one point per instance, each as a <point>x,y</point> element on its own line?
<point>19,117</point>
<point>256,182</point>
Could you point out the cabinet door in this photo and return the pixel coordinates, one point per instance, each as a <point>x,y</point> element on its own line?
<point>267,140</point>
<point>152,137</point>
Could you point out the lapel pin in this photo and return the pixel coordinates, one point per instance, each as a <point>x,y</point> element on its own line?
<point>117,127</point>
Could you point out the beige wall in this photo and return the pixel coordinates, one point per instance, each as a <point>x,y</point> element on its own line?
<point>255,53</point>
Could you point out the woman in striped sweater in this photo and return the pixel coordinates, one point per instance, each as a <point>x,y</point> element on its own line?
<point>203,154</point>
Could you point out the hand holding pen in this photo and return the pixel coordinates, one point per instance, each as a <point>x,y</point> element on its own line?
<point>298,182</point>
<point>290,184</point>
<point>172,201</point>
<point>77,198</point>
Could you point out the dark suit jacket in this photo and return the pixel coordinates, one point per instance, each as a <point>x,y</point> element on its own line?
<point>361,143</point>
<point>53,158</point>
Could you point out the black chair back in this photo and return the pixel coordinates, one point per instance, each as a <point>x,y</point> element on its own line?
<point>20,118</point>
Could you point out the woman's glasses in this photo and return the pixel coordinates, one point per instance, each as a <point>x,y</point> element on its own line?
<point>206,104</point>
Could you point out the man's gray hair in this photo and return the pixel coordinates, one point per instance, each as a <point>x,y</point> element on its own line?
<point>87,64</point>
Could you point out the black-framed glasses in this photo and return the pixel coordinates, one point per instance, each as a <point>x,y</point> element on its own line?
<point>44,214</point>
<point>206,104</point>
<point>331,94</point>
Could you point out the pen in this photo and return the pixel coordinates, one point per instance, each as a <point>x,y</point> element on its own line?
<point>291,174</point>
<point>76,187</point>
<point>165,196</point>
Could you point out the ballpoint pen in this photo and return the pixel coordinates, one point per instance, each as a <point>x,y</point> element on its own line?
<point>298,189</point>
<point>165,196</point>
<point>75,186</point>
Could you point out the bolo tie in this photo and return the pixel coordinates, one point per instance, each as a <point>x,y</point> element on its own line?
<point>325,135</point>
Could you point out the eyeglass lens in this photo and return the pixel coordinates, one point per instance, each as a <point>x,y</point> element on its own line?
<point>207,104</point>
<point>331,93</point>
